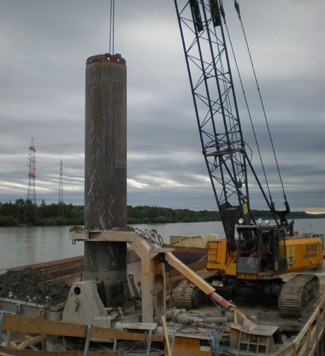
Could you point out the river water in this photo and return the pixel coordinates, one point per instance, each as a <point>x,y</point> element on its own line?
<point>20,246</point>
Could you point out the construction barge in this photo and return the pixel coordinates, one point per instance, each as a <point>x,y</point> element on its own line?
<point>123,296</point>
<point>29,328</point>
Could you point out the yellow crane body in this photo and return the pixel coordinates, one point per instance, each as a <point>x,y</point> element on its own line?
<point>303,253</point>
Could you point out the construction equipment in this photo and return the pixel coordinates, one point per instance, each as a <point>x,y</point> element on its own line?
<point>249,262</point>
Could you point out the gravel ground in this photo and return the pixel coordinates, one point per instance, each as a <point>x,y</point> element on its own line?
<point>29,285</point>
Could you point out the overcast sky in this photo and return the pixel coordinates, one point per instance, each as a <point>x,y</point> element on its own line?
<point>44,45</point>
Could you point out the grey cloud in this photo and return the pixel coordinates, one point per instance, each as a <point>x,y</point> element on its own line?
<point>44,46</point>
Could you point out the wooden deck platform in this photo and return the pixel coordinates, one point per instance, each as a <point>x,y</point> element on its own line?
<point>298,336</point>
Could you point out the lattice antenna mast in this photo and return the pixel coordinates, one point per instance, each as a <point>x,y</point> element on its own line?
<point>60,201</point>
<point>31,192</point>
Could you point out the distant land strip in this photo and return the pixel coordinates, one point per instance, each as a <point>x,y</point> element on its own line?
<point>25,213</point>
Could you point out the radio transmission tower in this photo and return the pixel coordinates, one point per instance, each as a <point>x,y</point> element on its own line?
<point>60,200</point>
<point>31,192</point>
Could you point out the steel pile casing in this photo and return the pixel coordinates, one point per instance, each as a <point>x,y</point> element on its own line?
<point>106,174</point>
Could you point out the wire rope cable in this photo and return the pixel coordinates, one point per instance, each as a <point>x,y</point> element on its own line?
<point>111,27</point>
<point>261,99</point>
<point>248,109</point>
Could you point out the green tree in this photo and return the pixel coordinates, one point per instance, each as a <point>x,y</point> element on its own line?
<point>7,220</point>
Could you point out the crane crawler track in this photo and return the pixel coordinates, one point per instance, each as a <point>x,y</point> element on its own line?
<point>187,296</point>
<point>297,295</point>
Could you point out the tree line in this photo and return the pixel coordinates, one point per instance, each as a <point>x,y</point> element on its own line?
<point>24,212</point>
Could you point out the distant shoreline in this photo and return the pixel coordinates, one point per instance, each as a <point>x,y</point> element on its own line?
<point>24,213</point>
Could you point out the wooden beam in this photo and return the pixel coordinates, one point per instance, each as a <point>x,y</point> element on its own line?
<point>31,341</point>
<point>60,328</point>
<point>9,352</point>
<point>169,353</point>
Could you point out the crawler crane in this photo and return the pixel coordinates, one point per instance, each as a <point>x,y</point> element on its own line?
<point>254,255</point>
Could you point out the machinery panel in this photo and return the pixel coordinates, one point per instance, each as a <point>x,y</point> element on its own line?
<point>304,253</point>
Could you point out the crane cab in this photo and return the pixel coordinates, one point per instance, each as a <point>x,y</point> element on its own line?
<point>260,249</point>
